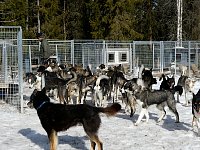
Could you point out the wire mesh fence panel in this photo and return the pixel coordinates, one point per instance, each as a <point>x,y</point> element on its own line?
<point>158,55</point>
<point>30,55</point>
<point>11,76</point>
<point>62,51</point>
<point>144,53</point>
<point>92,54</point>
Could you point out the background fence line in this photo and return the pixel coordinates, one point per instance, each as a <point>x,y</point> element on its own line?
<point>158,55</point>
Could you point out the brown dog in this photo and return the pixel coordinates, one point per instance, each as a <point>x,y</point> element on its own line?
<point>59,117</point>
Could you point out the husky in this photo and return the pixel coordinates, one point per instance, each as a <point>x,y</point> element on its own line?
<point>145,80</point>
<point>168,83</point>
<point>196,111</point>
<point>101,90</point>
<point>34,80</point>
<point>147,97</point>
<point>188,85</point>
<point>56,117</point>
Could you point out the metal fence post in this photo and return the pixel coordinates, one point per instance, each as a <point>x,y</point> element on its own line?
<point>72,52</point>
<point>5,63</point>
<point>189,57</point>
<point>20,66</point>
<point>83,53</point>
<point>196,54</point>
<point>104,59</point>
<point>130,58</point>
<point>175,60</point>
<point>57,52</point>
<point>30,58</point>
<point>161,56</point>
<point>133,58</point>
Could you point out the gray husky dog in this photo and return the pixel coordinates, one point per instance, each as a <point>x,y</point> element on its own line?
<point>147,97</point>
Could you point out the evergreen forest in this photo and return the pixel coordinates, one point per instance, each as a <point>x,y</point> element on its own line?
<point>140,20</point>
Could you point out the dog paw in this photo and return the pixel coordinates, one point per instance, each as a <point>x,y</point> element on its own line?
<point>158,121</point>
<point>136,124</point>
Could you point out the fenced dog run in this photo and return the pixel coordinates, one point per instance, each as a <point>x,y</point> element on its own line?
<point>20,56</point>
<point>11,65</point>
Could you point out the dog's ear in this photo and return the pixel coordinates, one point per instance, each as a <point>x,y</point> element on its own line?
<point>44,90</point>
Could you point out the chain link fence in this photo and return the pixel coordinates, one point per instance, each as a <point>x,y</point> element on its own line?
<point>11,76</point>
<point>158,55</point>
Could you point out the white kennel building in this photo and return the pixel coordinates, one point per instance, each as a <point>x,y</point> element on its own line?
<point>117,56</point>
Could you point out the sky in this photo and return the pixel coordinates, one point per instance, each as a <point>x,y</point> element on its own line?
<point>23,131</point>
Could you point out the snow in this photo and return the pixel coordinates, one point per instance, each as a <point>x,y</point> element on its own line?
<point>23,131</point>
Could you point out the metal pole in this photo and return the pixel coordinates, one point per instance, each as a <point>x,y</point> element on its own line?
<point>196,54</point>
<point>5,62</point>
<point>162,56</point>
<point>153,56</point>
<point>104,59</point>
<point>72,52</point>
<point>56,52</point>
<point>20,66</point>
<point>134,68</point>
<point>130,58</point>
<point>189,58</point>
<point>83,53</point>
<point>30,58</point>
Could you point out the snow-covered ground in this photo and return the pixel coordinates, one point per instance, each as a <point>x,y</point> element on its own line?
<point>24,131</point>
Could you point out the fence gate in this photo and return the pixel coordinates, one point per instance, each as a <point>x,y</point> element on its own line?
<point>11,75</point>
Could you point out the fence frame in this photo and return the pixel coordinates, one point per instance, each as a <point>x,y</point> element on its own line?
<point>14,34</point>
<point>159,52</point>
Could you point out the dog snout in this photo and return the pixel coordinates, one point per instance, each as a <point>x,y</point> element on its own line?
<point>123,95</point>
<point>30,86</point>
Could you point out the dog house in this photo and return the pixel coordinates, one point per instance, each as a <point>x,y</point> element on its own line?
<point>116,56</point>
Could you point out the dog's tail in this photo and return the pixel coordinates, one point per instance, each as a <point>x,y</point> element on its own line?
<point>110,110</point>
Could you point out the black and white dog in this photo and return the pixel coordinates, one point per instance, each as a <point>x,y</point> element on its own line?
<point>147,97</point>
<point>102,89</point>
<point>128,98</point>
<point>196,110</point>
<point>34,80</point>
<point>168,83</point>
<point>188,85</point>
<point>145,80</point>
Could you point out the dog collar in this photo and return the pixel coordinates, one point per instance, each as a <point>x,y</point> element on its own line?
<point>41,105</point>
